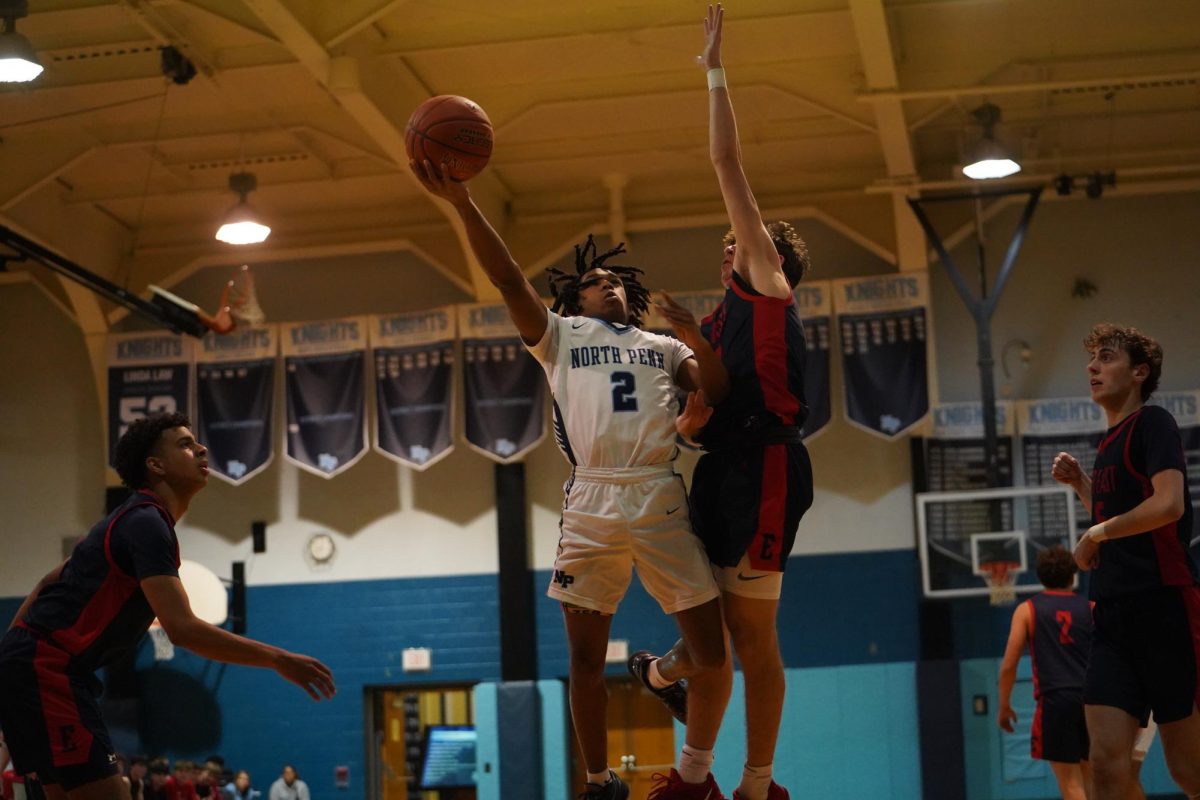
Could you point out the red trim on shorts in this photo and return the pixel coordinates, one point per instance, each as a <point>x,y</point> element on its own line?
<point>1191,605</point>
<point>767,554</point>
<point>770,359</point>
<point>1035,733</point>
<point>70,741</point>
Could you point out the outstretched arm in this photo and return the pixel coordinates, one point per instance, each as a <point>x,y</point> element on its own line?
<point>756,259</point>
<point>524,306</point>
<point>705,371</point>
<point>169,602</point>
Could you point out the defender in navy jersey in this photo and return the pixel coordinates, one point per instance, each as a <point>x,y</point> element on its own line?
<point>624,507</point>
<point>1056,624</point>
<point>99,603</point>
<point>1146,651</point>
<point>754,482</point>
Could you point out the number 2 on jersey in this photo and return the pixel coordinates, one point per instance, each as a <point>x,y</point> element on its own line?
<point>623,389</point>
<point>1064,627</point>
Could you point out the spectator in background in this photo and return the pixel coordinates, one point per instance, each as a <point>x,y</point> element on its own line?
<point>208,784</point>
<point>180,785</point>
<point>138,781</point>
<point>160,772</point>
<point>220,774</point>
<point>240,789</point>
<point>288,786</point>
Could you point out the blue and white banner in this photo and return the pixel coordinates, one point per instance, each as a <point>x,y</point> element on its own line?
<point>325,366</point>
<point>504,387</point>
<point>955,456</point>
<point>1185,407</point>
<point>814,302</point>
<point>235,399</point>
<point>414,385</point>
<point>883,327</point>
<point>1066,424</point>
<point>148,373</point>
<point>701,304</point>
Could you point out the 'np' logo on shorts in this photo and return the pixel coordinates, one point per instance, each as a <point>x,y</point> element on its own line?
<point>563,579</point>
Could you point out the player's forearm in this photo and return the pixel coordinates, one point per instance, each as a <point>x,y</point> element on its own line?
<point>1151,514</point>
<point>1008,679</point>
<point>723,146</point>
<point>1083,490</point>
<point>497,263</point>
<point>714,378</point>
<point>219,644</point>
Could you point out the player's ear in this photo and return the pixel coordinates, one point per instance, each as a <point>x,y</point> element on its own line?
<point>1141,372</point>
<point>155,466</point>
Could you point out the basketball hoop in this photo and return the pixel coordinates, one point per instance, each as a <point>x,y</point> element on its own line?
<point>164,650</point>
<point>1001,578</point>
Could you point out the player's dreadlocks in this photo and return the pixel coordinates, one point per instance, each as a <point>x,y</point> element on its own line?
<point>565,287</point>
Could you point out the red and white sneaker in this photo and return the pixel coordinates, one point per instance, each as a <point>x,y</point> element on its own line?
<point>774,792</point>
<point>672,787</point>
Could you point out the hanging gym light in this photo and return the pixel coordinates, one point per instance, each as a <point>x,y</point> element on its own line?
<point>18,61</point>
<point>242,224</point>
<point>988,158</point>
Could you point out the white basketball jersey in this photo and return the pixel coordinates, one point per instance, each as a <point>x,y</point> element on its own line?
<point>614,391</point>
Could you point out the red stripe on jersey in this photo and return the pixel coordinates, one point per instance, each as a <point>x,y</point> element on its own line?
<point>1107,440</point>
<point>70,741</point>
<point>765,550</point>
<point>770,359</point>
<point>1191,605</point>
<point>106,603</point>
<point>1169,552</point>
<point>1037,691</point>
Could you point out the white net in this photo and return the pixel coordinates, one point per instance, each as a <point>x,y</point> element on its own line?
<point>163,649</point>
<point>1001,577</point>
<point>243,302</point>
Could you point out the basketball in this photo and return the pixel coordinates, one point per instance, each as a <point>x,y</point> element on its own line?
<point>453,130</point>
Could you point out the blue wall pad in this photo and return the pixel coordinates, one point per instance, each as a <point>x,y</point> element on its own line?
<point>519,717</point>
<point>556,739</point>
<point>487,751</point>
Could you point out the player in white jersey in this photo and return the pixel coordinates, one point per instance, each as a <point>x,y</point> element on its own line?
<point>614,415</point>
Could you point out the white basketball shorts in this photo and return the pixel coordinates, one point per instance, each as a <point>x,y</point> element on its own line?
<point>746,581</point>
<point>614,520</point>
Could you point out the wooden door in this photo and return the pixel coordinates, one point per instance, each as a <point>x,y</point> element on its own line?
<point>641,737</point>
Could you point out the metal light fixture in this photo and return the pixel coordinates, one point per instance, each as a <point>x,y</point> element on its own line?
<point>242,224</point>
<point>18,61</point>
<point>989,158</point>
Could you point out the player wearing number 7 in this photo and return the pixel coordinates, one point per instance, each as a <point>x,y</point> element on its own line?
<point>1057,626</point>
<point>1146,649</point>
<point>614,387</point>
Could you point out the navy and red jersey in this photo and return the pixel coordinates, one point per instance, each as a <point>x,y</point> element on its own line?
<point>96,610</point>
<point>1132,452</point>
<point>760,339</point>
<point>1060,640</point>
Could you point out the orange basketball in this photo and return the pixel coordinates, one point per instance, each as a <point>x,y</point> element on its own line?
<point>453,130</point>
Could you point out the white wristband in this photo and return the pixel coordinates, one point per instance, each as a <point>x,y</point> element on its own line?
<point>716,77</point>
<point>1097,533</point>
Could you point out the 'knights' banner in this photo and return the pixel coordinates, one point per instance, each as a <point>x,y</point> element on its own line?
<point>505,387</point>
<point>955,457</point>
<point>235,396</point>
<point>882,326</point>
<point>414,385</point>
<point>148,373</point>
<point>326,405</point>
<point>701,304</point>
<point>1067,424</point>
<point>814,302</point>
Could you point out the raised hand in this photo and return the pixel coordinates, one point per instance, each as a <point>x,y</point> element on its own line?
<point>711,58</point>
<point>695,416</point>
<point>682,322</point>
<point>437,181</point>
<point>1066,469</point>
<point>309,674</point>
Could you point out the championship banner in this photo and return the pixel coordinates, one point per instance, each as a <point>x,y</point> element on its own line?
<point>235,398</point>
<point>814,302</point>
<point>414,385</point>
<point>955,456</point>
<point>505,388</point>
<point>882,325</point>
<point>326,404</point>
<point>1185,407</point>
<point>148,373</point>
<point>1047,427</point>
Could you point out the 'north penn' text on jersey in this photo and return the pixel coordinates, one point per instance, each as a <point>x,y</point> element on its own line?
<point>592,356</point>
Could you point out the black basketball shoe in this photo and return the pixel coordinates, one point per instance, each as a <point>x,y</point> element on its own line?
<point>615,789</point>
<point>674,697</point>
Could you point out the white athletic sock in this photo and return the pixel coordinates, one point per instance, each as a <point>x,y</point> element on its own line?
<point>599,778</point>
<point>756,781</point>
<point>655,677</point>
<point>695,764</point>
